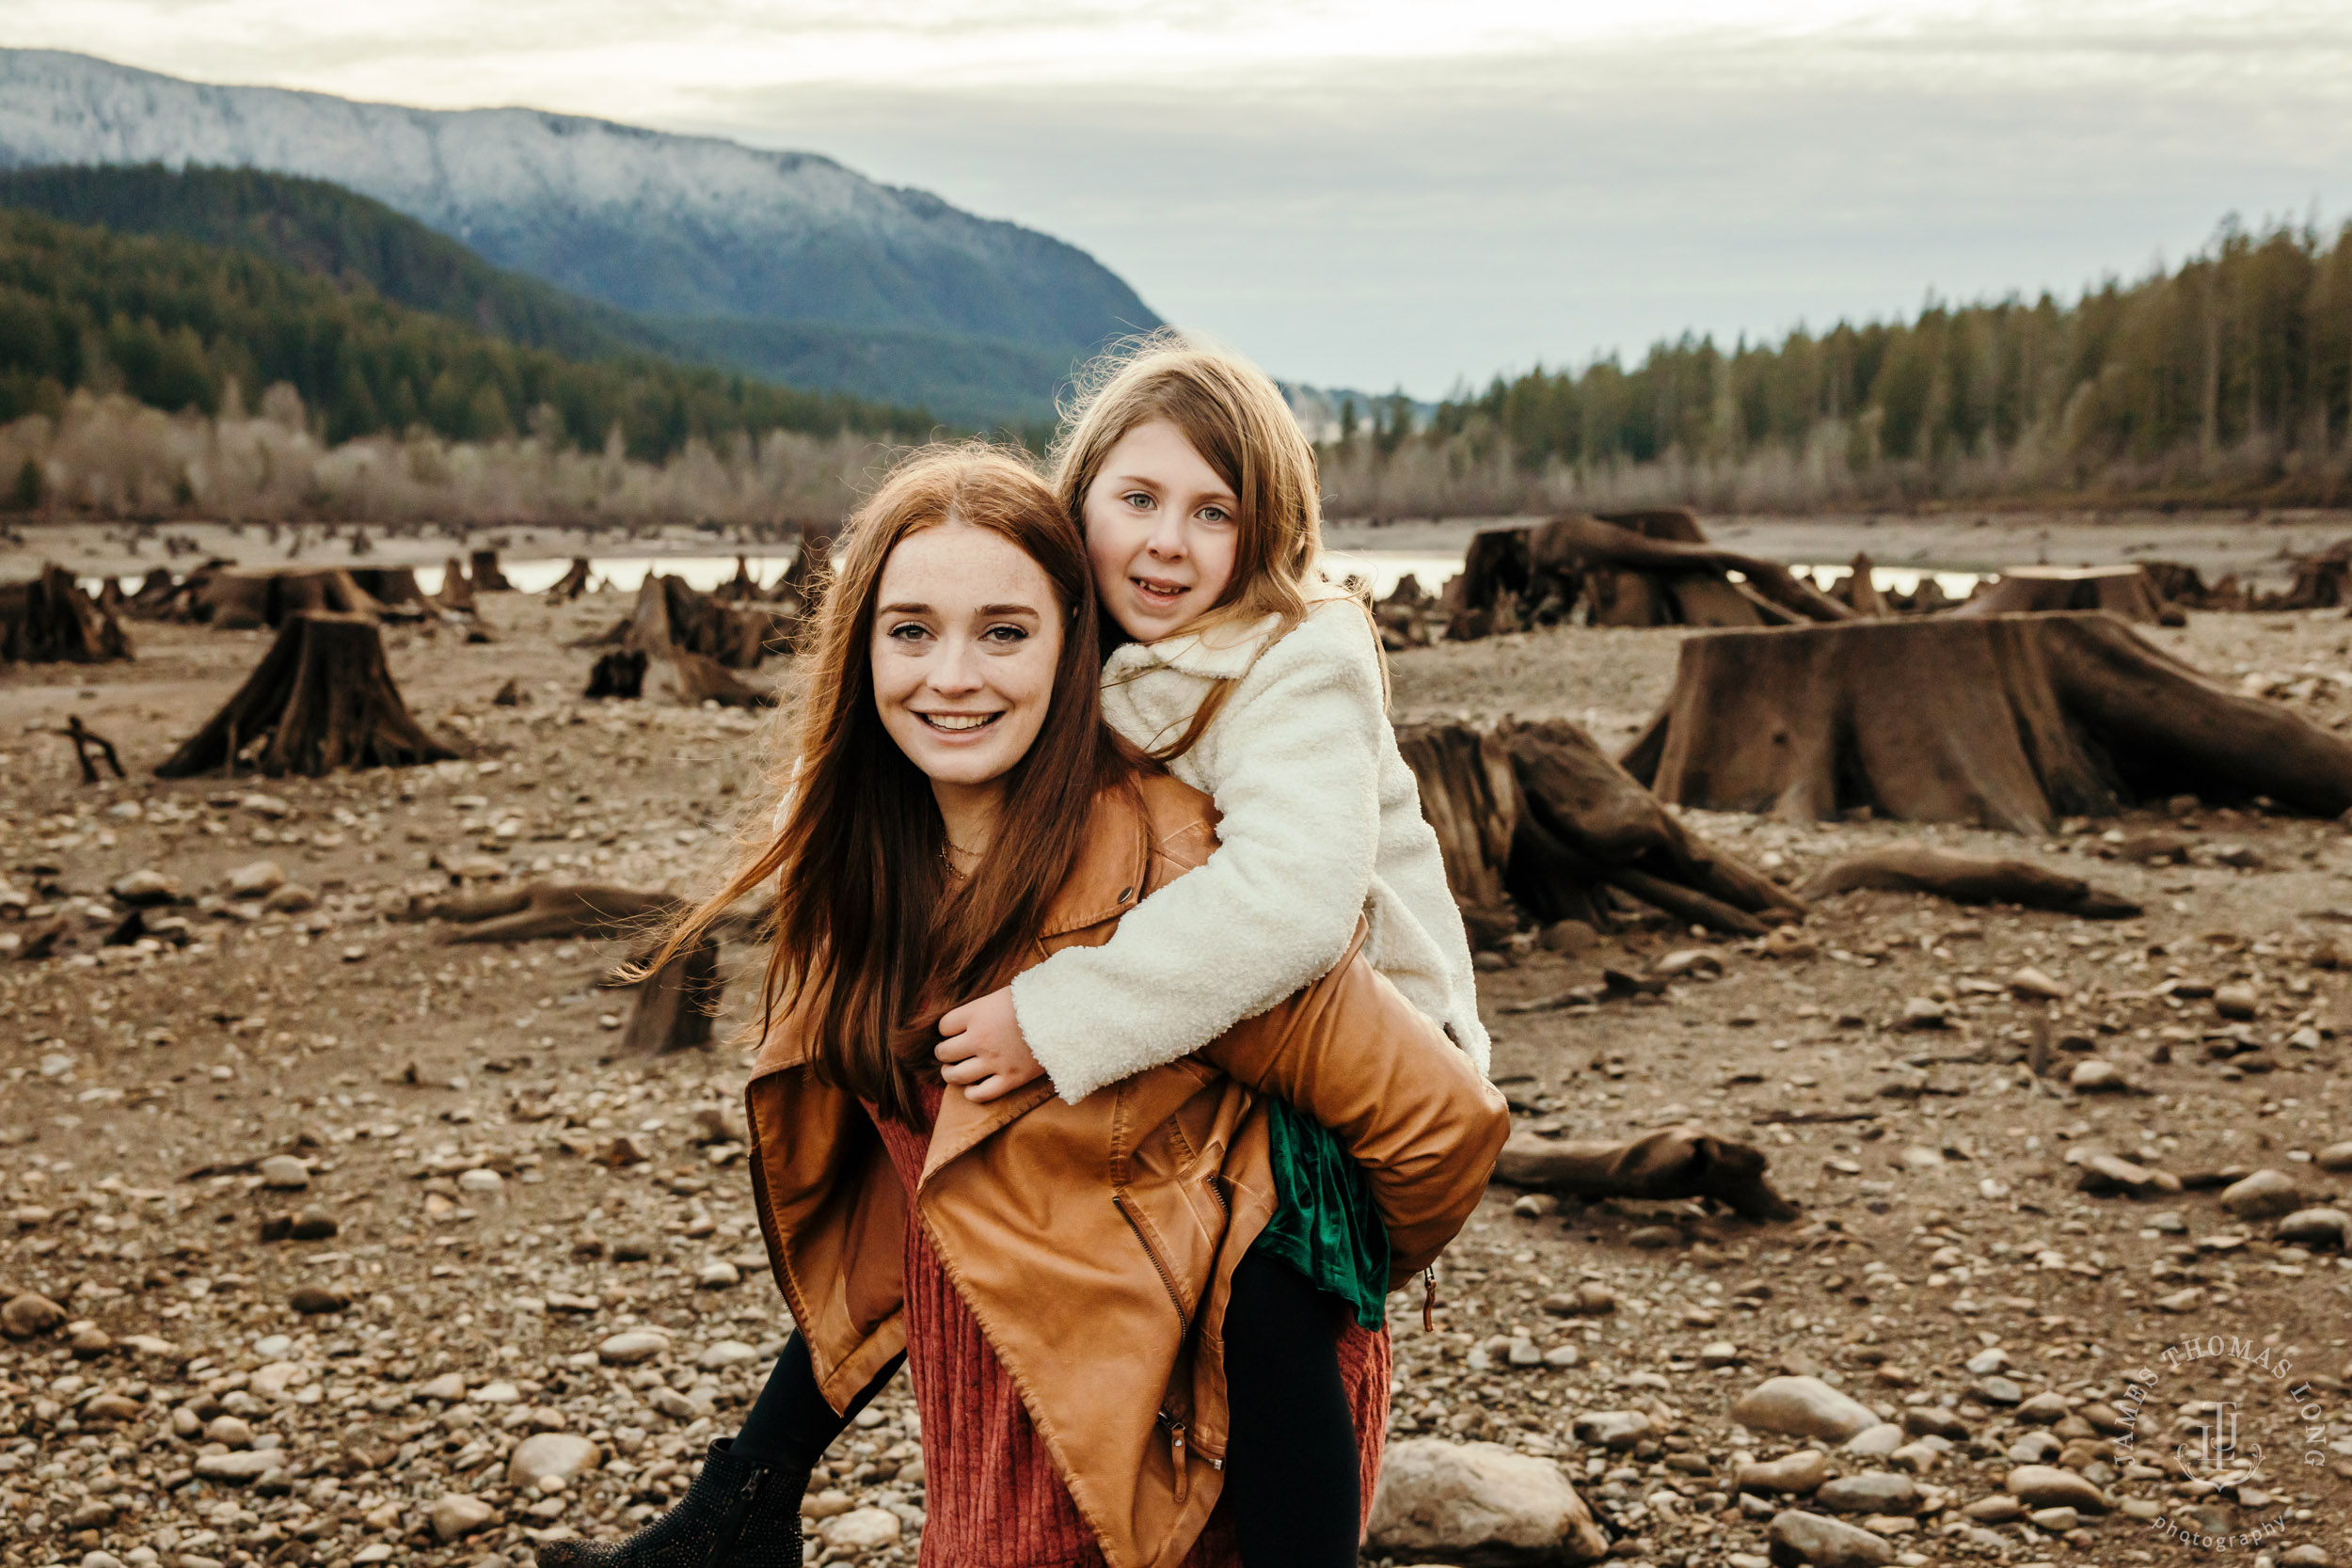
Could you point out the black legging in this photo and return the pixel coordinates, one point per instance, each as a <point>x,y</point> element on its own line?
<point>1290,1486</point>
<point>790,1425</point>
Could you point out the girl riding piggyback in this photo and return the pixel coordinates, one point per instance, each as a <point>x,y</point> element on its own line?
<point>1251,677</point>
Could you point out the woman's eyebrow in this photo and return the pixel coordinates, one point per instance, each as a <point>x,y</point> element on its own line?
<point>1029,610</point>
<point>903,610</point>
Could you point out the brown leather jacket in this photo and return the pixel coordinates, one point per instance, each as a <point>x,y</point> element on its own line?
<point>1167,1175</point>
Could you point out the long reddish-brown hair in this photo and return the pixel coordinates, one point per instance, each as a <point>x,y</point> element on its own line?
<point>872,941</point>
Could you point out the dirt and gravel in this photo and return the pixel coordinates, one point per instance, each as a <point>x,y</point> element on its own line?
<point>363,1247</point>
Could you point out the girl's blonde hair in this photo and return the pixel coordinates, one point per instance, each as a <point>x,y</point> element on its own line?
<point>1236,419</point>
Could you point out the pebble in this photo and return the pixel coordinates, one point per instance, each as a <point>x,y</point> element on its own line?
<point>2033,985</point>
<point>2043,1409</point>
<point>2097,1075</point>
<point>2336,1157</point>
<point>29,1315</point>
<point>284,1173</point>
<point>1875,1442</point>
<point>2309,1555</point>
<point>1822,1543</point>
<point>628,1348</point>
<point>558,1454</point>
<point>1990,1359</point>
<point>1922,1012</point>
<point>1797,1473</point>
<point>311,1300</point>
<point>2238,1001</point>
<point>257,879</point>
<point>231,1431</point>
<point>1928,1421</point>
<point>146,888</point>
<point>1995,1509</point>
<point>862,1529</point>
<point>1442,1501</point>
<point>1617,1430</point>
<point>290,898</point>
<point>2047,1486</point>
<point>1871,1492</point>
<point>1803,1407</point>
<point>2057,1521</point>
<point>1996,1390</point>
<point>725,1352</point>
<point>449,1388</point>
<point>240,1468</point>
<point>481,1183</point>
<point>456,1515</point>
<point>717,1274</point>
<point>2267,1195</point>
<point>1719,1352</point>
<point>2317,1228</point>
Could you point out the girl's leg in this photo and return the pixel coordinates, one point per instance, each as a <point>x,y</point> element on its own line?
<point>1291,1464</point>
<point>790,1425</point>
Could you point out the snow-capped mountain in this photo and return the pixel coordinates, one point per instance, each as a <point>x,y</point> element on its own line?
<point>666,225</point>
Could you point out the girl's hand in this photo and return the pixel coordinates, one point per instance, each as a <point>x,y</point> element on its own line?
<point>981,1047</point>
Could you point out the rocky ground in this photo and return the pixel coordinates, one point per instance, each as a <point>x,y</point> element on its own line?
<point>328,1243</point>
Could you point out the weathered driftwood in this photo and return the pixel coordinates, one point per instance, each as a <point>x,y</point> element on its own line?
<point>49,620</point>
<point>2322,581</point>
<point>572,584</point>
<point>1404,616</point>
<point>1968,879</point>
<point>2177,582</point>
<point>619,674</point>
<point>551,911</point>
<point>1586,543</point>
<point>322,698</point>
<point>695,679</point>
<point>2124,590</point>
<point>1666,1165</point>
<point>674,1004</point>
<point>1536,818</point>
<point>2006,722</point>
<point>87,741</point>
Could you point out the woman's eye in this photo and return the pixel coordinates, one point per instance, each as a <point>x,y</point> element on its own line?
<point>1005,634</point>
<point>910,631</point>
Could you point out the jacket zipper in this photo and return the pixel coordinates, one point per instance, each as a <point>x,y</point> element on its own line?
<point>1183,1320</point>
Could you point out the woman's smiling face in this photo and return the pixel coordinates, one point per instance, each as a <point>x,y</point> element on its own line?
<point>967,637</point>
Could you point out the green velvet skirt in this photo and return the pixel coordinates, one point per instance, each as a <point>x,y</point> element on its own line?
<point>1325,1224</point>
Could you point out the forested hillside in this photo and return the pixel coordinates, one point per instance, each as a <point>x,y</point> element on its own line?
<point>2228,376</point>
<point>173,321</point>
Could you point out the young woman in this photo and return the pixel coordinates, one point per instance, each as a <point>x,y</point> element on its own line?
<point>1058,1275</point>
<point>1257,681</point>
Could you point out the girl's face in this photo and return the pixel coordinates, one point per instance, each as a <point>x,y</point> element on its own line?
<point>1161,532</point>
<point>967,637</point>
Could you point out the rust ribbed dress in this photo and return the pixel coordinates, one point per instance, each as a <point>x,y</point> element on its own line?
<point>992,1496</point>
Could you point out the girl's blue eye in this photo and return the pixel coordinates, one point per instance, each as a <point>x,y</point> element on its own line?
<point>1140,499</point>
<point>1213,515</point>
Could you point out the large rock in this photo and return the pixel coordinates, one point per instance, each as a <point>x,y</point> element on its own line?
<point>2047,1486</point>
<point>2267,1195</point>
<point>1800,1538</point>
<point>146,888</point>
<point>1803,1407</point>
<point>256,880</point>
<point>1475,1503</point>
<point>561,1454</point>
<point>862,1529</point>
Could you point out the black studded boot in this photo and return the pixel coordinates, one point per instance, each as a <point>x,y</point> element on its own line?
<point>737,1514</point>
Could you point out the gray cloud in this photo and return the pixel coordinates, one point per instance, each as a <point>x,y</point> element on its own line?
<point>1368,221</point>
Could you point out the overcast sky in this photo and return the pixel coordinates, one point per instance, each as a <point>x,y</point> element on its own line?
<point>1422,192</point>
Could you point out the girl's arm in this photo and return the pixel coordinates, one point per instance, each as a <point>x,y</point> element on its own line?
<point>1298,748</point>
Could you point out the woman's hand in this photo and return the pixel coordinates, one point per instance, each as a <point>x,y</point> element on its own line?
<point>981,1047</point>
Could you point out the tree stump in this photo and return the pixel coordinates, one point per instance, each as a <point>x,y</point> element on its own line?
<point>248,599</point>
<point>802,586</point>
<point>488,578</point>
<point>674,1004</point>
<point>1536,816</point>
<point>1859,589</point>
<point>322,698</point>
<point>457,595</point>
<point>572,584</point>
<point>2123,591</point>
<point>51,621</point>
<point>620,673</point>
<point>2003,721</point>
<point>670,614</point>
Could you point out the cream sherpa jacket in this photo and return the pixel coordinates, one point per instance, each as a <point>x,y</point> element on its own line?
<point>1320,823</point>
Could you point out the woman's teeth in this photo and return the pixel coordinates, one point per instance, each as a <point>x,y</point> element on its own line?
<point>959,720</point>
